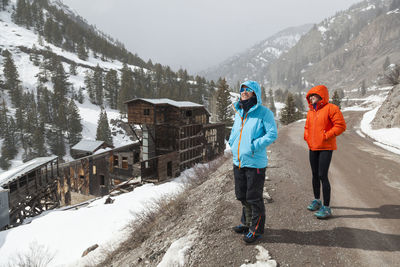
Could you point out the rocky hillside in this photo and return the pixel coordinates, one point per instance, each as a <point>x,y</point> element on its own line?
<point>343,50</point>
<point>388,115</point>
<point>253,63</point>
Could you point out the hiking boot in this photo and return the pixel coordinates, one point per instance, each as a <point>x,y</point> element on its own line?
<point>240,229</point>
<point>251,237</point>
<point>315,205</point>
<point>323,213</point>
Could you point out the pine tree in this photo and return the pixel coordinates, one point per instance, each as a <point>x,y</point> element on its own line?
<point>80,97</point>
<point>264,96</point>
<point>89,84</point>
<point>223,102</point>
<point>298,100</point>
<point>103,132</point>
<point>20,12</point>
<point>363,89</point>
<point>126,88</point>
<point>279,95</point>
<point>45,106</point>
<point>12,82</point>
<point>81,50</point>
<point>98,79</point>
<point>4,4</point>
<point>39,141</point>
<point>111,86</point>
<point>60,88</point>
<point>74,124</point>
<point>39,22</point>
<point>271,104</point>
<point>55,138</point>
<point>336,99</point>
<point>72,68</point>
<point>48,30</point>
<point>289,113</point>
<point>3,118</point>
<point>8,148</point>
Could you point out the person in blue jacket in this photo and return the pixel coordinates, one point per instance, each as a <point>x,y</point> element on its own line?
<point>253,130</point>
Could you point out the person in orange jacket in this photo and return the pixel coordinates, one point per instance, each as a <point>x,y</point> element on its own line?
<point>324,122</point>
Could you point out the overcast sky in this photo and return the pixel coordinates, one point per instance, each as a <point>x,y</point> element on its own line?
<point>196,34</point>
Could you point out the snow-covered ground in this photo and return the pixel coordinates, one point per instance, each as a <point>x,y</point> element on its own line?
<point>387,138</point>
<point>64,235</point>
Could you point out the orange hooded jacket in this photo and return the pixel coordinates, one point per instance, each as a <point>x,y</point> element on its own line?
<point>324,123</point>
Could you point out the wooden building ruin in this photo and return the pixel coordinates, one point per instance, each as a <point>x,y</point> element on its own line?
<point>97,174</point>
<point>172,136</point>
<point>32,188</point>
<point>175,135</point>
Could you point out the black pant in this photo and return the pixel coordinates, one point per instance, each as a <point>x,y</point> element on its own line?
<point>320,161</point>
<point>249,185</point>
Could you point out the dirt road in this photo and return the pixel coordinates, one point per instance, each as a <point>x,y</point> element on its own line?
<point>364,229</point>
<point>365,180</point>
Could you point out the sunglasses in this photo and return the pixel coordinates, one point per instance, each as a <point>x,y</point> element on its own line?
<point>247,89</point>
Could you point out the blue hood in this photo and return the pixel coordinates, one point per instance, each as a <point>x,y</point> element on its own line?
<point>256,88</point>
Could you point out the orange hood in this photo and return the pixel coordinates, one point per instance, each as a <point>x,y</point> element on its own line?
<point>320,90</point>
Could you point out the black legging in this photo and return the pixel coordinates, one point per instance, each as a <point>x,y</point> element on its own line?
<point>320,161</point>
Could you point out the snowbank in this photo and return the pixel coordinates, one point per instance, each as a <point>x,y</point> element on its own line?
<point>389,138</point>
<point>65,234</point>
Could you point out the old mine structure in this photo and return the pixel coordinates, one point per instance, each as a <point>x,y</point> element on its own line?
<point>172,136</point>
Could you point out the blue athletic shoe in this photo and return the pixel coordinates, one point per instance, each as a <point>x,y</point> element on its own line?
<point>251,237</point>
<point>323,213</point>
<point>315,205</point>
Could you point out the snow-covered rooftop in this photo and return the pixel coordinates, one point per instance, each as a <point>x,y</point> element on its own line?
<point>8,176</point>
<point>88,145</point>
<point>160,101</point>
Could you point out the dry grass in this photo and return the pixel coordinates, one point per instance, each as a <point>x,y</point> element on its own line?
<point>161,214</point>
<point>37,256</point>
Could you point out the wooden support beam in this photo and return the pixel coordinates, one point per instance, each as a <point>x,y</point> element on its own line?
<point>134,132</point>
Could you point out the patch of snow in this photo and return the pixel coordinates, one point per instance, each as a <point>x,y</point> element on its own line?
<point>322,29</point>
<point>389,148</point>
<point>272,50</point>
<point>369,7</point>
<point>396,11</point>
<point>279,106</point>
<point>175,255</point>
<point>263,259</point>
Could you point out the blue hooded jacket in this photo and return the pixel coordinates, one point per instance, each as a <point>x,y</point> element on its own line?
<point>252,133</point>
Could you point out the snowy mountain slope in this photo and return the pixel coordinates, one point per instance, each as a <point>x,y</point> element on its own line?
<point>48,43</point>
<point>343,50</point>
<point>252,63</point>
<point>19,41</point>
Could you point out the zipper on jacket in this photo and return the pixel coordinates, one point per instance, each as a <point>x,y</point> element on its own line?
<point>315,123</point>
<point>240,138</point>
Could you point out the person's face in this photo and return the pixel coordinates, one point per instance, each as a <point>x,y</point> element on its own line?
<point>246,93</point>
<point>314,99</point>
